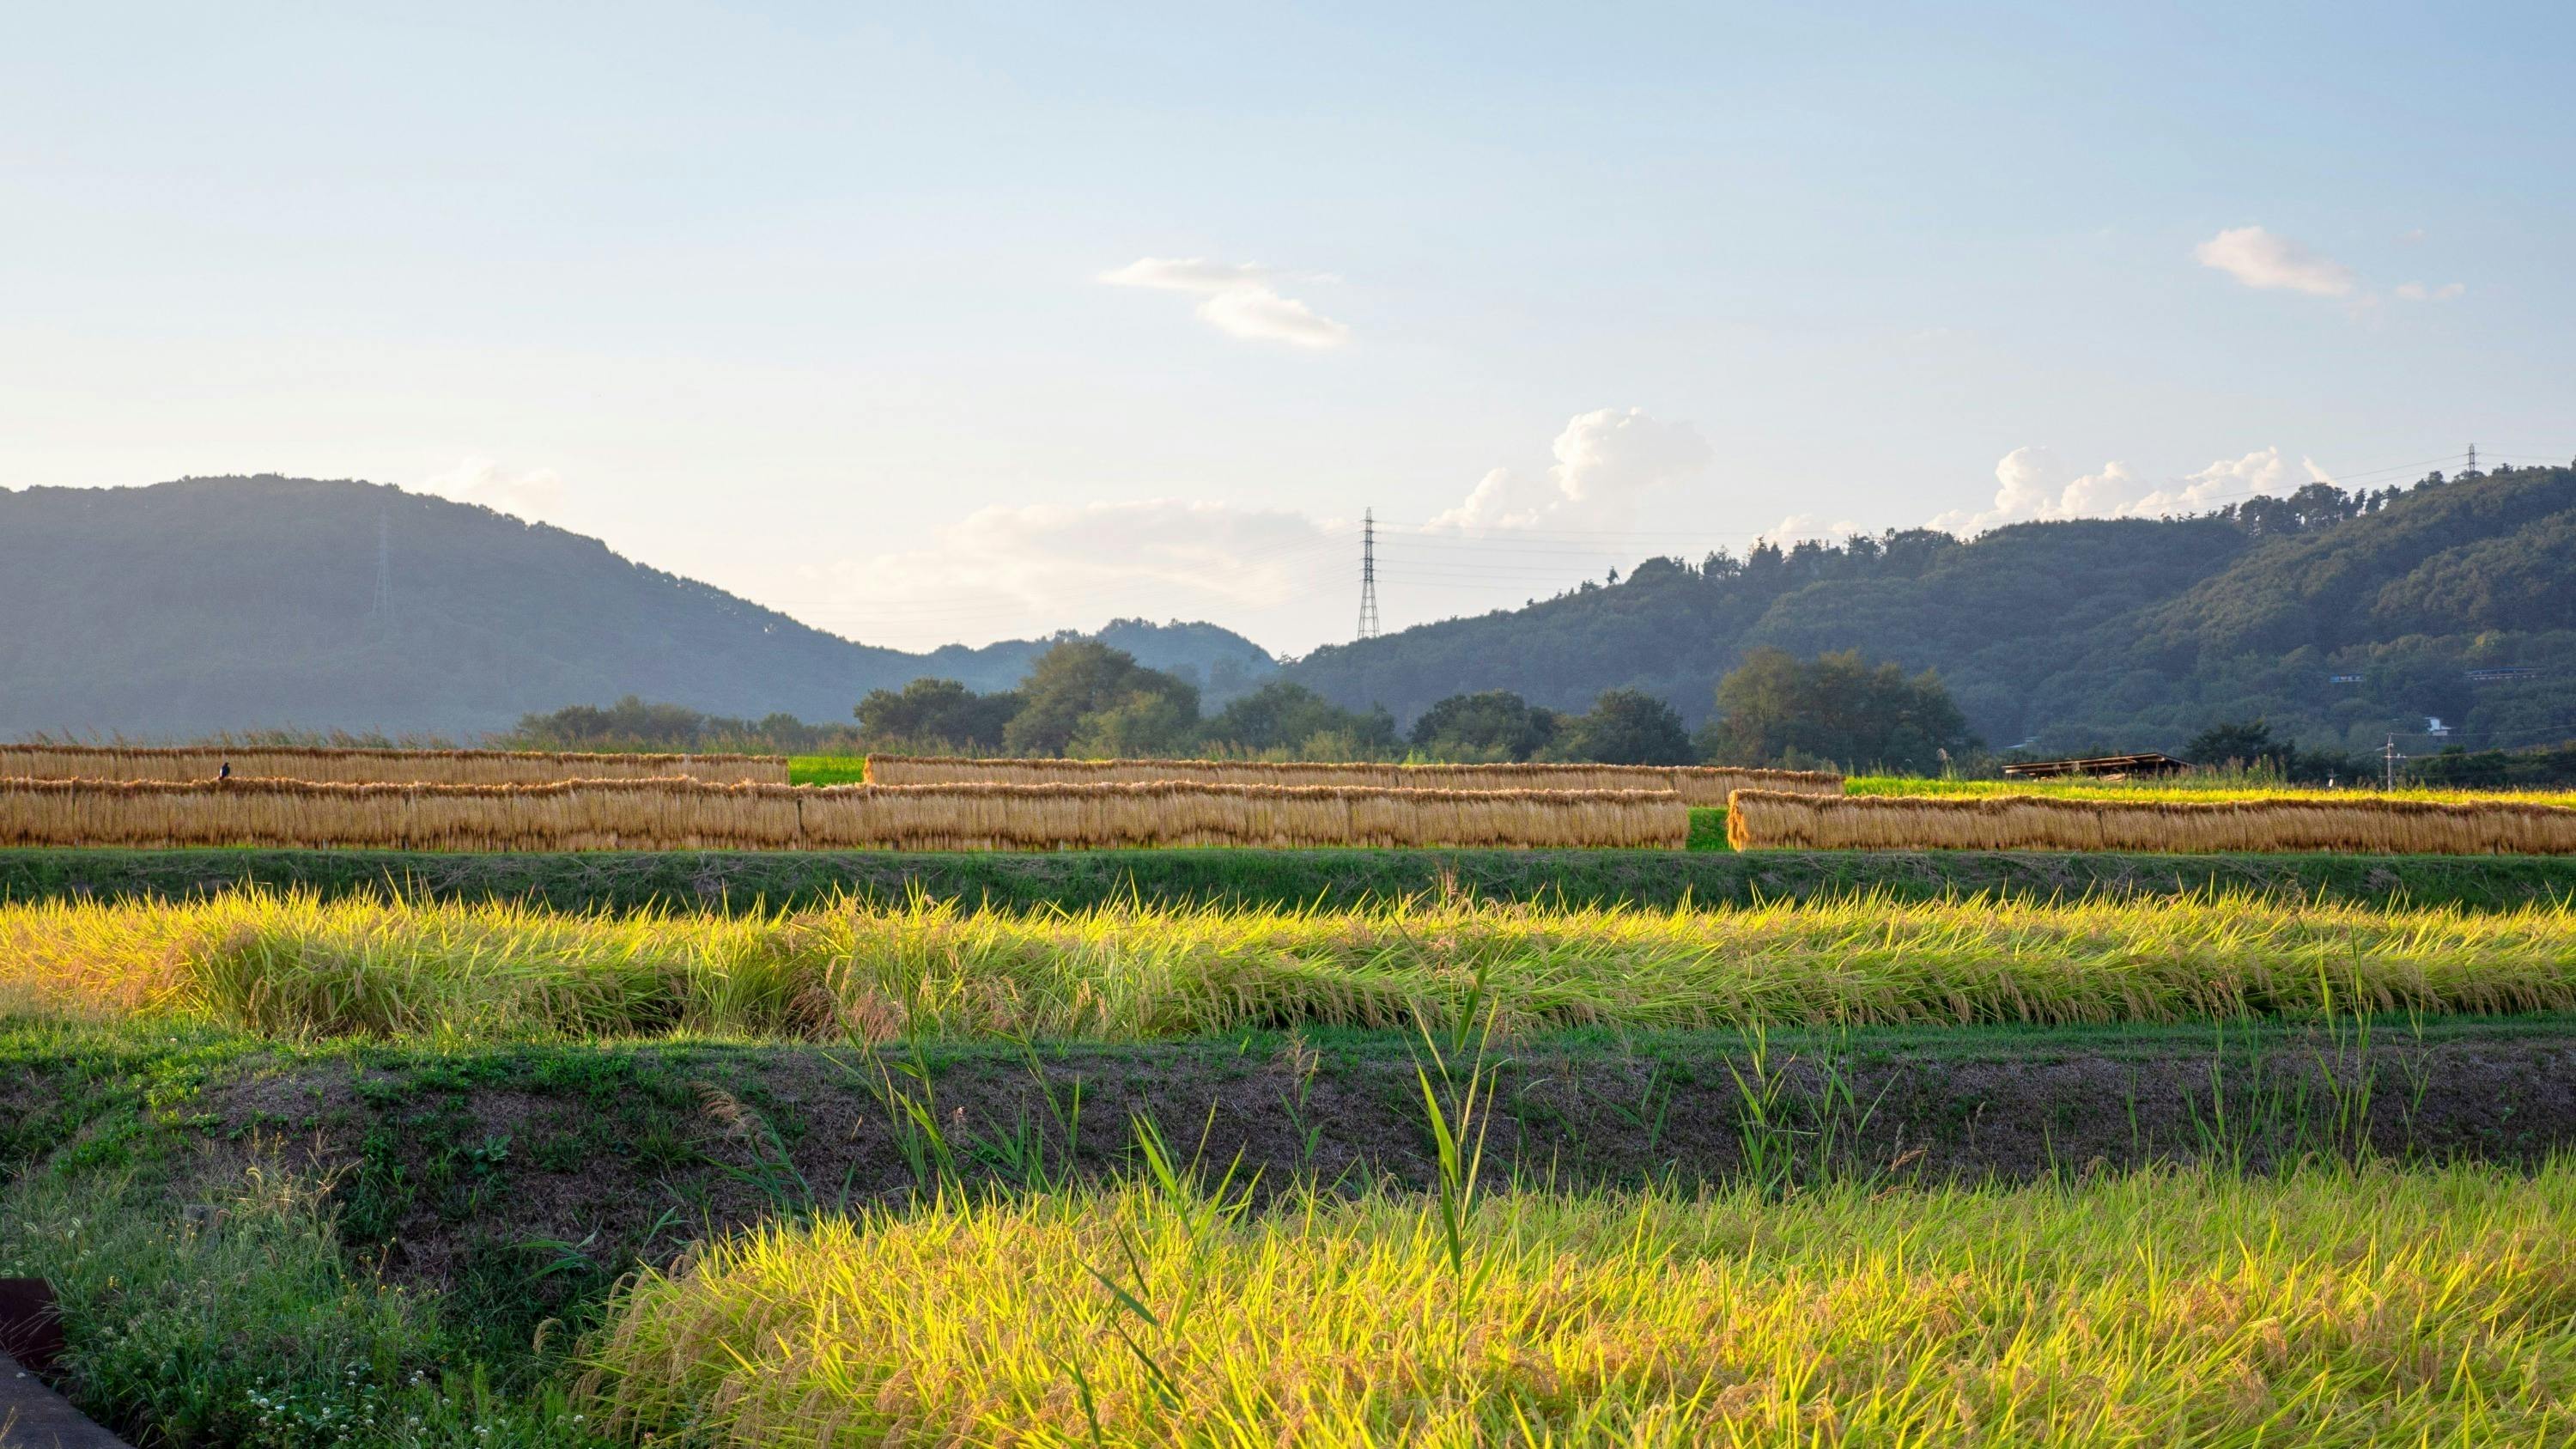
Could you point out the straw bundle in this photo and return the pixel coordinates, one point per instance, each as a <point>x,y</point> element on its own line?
<point>368,767</point>
<point>1772,820</point>
<point>691,815</point>
<point>1696,784</point>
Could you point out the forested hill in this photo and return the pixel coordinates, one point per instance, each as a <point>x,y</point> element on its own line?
<point>249,603</point>
<point>2105,633</point>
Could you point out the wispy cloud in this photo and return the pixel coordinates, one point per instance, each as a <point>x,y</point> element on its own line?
<point>2260,259</point>
<point>1240,300</point>
<point>2424,292</point>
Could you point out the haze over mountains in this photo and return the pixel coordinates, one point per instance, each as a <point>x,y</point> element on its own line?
<point>242,603</point>
<point>214,604</point>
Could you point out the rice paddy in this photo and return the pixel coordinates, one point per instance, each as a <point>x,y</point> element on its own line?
<point>290,964</point>
<point>2317,1273</point>
<point>2330,1306</point>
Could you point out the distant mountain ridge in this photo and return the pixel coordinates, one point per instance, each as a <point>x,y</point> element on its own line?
<point>2341,618</point>
<point>211,604</point>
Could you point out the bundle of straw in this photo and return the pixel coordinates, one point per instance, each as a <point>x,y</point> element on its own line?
<point>1773,820</point>
<point>1695,784</point>
<point>367,767</point>
<point>690,814</point>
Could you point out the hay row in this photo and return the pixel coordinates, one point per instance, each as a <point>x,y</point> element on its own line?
<point>374,767</point>
<point>1772,820</point>
<point>1695,784</point>
<point>693,815</point>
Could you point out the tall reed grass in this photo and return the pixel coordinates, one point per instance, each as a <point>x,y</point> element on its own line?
<point>1771,820</point>
<point>375,767</point>
<point>2334,1305</point>
<point>680,814</point>
<point>1696,784</point>
<point>292,965</point>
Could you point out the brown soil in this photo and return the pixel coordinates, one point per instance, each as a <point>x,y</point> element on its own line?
<point>442,1173</point>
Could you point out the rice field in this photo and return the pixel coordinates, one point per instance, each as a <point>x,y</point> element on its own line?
<point>2354,823</point>
<point>2330,1306</point>
<point>294,966</point>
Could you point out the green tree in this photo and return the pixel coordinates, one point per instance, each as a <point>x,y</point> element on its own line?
<point>937,711</point>
<point>1629,727</point>
<point>2243,743</point>
<point>1280,716</point>
<point>1772,709</point>
<point>1493,725</point>
<point>1084,677</point>
<point>1144,724</point>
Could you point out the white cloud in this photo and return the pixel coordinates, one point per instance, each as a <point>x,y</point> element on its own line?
<point>2259,259</point>
<point>2420,292</point>
<point>2033,486</point>
<point>536,495</point>
<point>1810,525</point>
<point>1019,570</point>
<point>1607,463</point>
<point>1239,300</point>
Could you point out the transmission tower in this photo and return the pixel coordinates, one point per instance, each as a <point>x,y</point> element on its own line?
<point>1368,574</point>
<point>2473,458</point>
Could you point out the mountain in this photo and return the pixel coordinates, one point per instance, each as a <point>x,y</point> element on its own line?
<point>213,604</point>
<point>2339,617</point>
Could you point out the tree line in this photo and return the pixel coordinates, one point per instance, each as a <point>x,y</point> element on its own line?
<point>1083,698</point>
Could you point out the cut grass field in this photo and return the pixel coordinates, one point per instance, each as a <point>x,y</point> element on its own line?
<point>293,965</point>
<point>2331,1306</point>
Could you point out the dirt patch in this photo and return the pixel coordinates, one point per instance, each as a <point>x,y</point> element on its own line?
<point>562,1168</point>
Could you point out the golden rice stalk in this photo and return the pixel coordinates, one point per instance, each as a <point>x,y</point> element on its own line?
<point>378,767</point>
<point>1774,820</point>
<point>1695,784</point>
<point>694,815</point>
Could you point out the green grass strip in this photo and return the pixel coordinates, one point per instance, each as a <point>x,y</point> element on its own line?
<point>748,880</point>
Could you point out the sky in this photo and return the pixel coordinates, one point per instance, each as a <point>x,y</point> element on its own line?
<point>974,321</point>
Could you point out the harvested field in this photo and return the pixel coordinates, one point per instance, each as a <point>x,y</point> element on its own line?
<point>375,767</point>
<point>693,815</point>
<point>295,966</point>
<point>1774,820</point>
<point>1695,784</point>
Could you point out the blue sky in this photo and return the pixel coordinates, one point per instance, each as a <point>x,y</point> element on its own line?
<point>960,322</point>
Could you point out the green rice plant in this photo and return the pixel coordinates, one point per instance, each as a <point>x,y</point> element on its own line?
<point>2330,1305</point>
<point>293,966</point>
